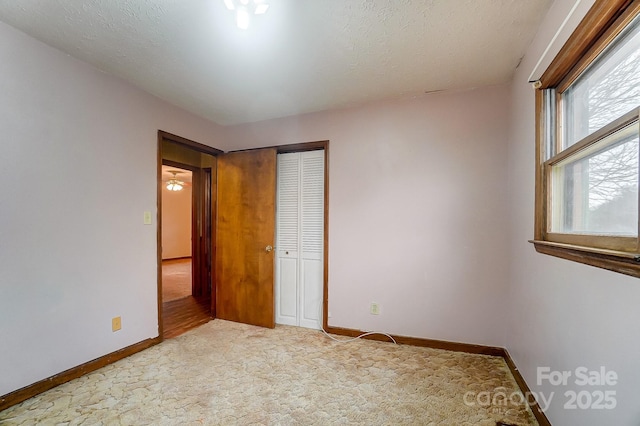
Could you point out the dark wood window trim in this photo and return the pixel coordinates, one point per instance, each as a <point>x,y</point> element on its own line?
<point>604,21</point>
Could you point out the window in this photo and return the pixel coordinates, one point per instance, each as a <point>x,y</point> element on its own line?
<point>588,143</point>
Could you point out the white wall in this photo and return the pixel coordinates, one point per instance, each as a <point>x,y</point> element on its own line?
<point>564,315</point>
<point>79,167</point>
<point>417,210</point>
<point>176,223</point>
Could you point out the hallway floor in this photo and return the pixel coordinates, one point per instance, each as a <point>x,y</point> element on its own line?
<point>176,279</point>
<point>181,315</point>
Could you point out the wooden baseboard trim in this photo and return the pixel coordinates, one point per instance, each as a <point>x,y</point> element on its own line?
<point>34,389</point>
<point>457,347</point>
<point>427,343</point>
<point>529,396</point>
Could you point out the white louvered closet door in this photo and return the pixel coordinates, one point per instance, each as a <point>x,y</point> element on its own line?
<point>300,239</point>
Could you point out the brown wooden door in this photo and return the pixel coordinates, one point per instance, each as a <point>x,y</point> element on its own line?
<point>246,230</point>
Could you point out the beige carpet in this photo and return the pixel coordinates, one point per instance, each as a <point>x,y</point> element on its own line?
<point>225,373</point>
<point>176,279</point>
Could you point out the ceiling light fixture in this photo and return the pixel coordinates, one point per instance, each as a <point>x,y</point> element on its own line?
<point>174,184</point>
<point>244,9</point>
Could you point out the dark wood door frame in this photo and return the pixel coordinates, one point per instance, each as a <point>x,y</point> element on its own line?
<point>198,147</point>
<point>206,232</point>
<point>198,192</point>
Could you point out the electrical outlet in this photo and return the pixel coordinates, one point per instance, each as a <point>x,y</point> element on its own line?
<point>375,308</point>
<point>116,324</point>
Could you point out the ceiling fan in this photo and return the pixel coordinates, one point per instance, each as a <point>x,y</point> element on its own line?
<point>174,184</point>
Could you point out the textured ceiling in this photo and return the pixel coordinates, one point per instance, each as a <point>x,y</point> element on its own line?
<point>302,56</point>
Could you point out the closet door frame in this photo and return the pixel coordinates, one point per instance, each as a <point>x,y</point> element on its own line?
<point>314,146</point>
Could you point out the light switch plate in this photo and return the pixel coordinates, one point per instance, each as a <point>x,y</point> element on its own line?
<point>147,218</point>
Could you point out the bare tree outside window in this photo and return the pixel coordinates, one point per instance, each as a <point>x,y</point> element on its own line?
<point>600,190</point>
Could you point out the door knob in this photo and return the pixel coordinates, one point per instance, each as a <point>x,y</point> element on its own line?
<point>268,249</point>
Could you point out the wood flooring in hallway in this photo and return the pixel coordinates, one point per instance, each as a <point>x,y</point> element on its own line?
<point>184,314</point>
<point>180,310</point>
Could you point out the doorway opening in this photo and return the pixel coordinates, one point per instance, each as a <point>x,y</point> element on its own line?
<point>233,228</point>
<point>177,229</point>
<point>186,231</point>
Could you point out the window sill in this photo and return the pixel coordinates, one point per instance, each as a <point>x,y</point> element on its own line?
<point>617,261</point>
